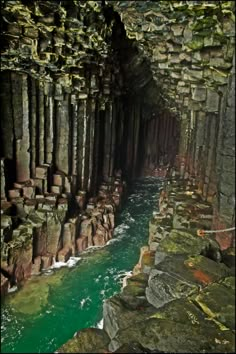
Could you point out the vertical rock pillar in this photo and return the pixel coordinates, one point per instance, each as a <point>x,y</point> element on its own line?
<point>23,144</point>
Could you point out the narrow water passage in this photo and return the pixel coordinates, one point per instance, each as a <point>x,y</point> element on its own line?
<point>44,315</point>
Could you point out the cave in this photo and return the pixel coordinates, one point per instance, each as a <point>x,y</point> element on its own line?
<point>132,131</point>
<point>97,94</point>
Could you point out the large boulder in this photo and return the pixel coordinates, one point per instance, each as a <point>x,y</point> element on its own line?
<point>218,302</point>
<point>182,241</point>
<point>118,315</point>
<point>180,276</point>
<point>88,340</point>
<point>167,336</point>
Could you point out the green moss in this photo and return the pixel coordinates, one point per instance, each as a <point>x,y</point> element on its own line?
<point>204,23</point>
<point>196,44</point>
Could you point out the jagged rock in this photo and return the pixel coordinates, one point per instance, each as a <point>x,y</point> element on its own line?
<point>228,258</point>
<point>4,285</point>
<point>64,254</point>
<point>53,231</point>
<point>36,266</point>
<point>166,336</point>
<point>21,257</point>
<point>69,234</point>
<point>218,302</point>
<point>88,340</point>
<point>82,243</point>
<point>46,261</point>
<point>182,241</point>
<point>180,276</point>
<point>118,316</point>
<point>99,239</point>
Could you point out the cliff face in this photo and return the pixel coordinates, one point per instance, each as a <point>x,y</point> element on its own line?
<point>189,45</point>
<point>90,89</point>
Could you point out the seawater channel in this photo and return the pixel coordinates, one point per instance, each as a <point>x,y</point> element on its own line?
<point>51,307</point>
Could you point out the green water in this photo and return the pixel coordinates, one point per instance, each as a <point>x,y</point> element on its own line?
<point>52,307</point>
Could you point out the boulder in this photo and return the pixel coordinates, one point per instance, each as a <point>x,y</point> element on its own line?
<point>88,340</point>
<point>182,241</point>
<point>118,314</point>
<point>167,336</point>
<point>218,302</point>
<point>180,276</point>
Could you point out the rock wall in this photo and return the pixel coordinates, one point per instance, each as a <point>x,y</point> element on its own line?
<point>60,102</point>
<point>190,47</point>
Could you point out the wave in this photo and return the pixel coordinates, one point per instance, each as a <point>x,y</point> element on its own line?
<point>122,276</point>
<point>72,261</point>
<point>84,302</point>
<point>121,228</point>
<point>100,324</point>
<point>13,289</point>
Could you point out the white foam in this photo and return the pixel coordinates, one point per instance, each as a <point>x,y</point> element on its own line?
<point>58,265</point>
<point>13,289</point>
<point>84,301</point>
<point>112,241</point>
<point>124,280</point>
<point>70,263</point>
<point>100,324</point>
<point>121,228</point>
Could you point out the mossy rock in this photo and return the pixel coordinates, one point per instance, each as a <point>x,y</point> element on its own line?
<point>141,278</point>
<point>185,241</point>
<point>33,296</point>
<point>88,340</point>
<point>117,315</point>
<point>134,290</point>
<point>180,276</point>
<point>218,302</point>
<point>131,348</point>
<point>196,44</point>
<point>183,311</point>
<point>147,261</point>
<point>166,336</point>
<point>228,257</point>
<point>229,282</point>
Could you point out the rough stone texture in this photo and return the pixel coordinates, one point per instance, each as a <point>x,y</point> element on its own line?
<point>89,340</point>
<point>186,302</point>
<point>178,276</point>
<point>158,335</point>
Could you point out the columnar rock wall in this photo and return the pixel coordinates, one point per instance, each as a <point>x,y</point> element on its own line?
<point>190,46</point>
<point>59,99</point>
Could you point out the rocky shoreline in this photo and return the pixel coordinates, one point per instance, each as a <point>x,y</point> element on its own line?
<point>180,297</point>
<point>41,229</point>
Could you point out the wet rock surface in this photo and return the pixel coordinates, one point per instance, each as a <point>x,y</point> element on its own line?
<point>185,303</point>
<point>90,340</point>
<point>46,233</point>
